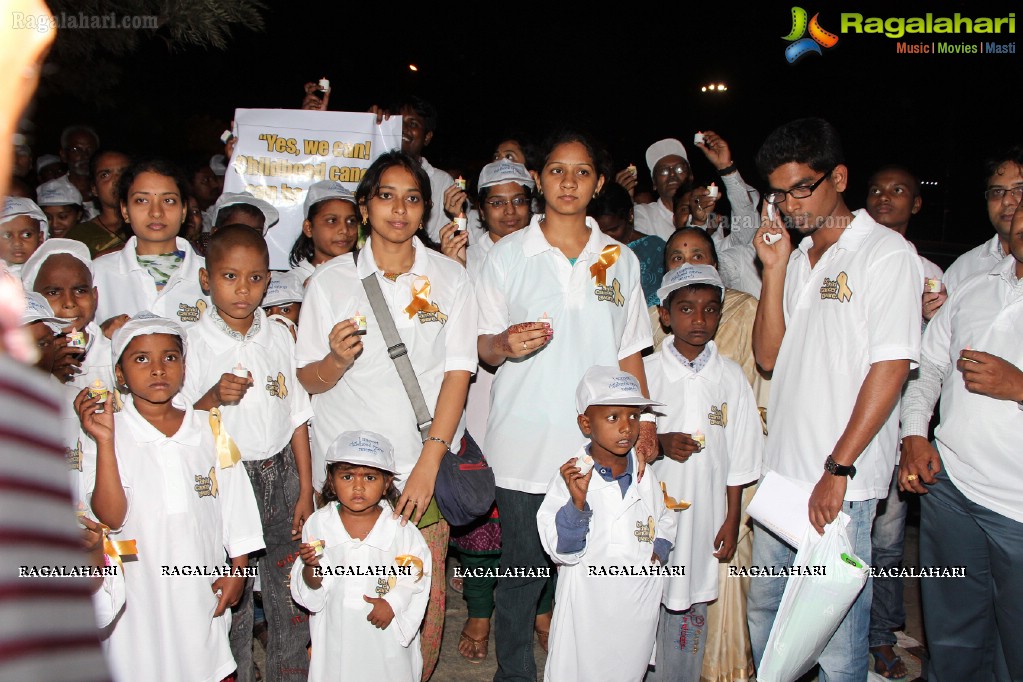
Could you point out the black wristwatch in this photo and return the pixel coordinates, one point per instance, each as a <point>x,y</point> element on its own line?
<point>836,469</point>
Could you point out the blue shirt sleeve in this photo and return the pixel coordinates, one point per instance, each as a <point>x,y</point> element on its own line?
<point>662,546</point>
<point>572,526</point>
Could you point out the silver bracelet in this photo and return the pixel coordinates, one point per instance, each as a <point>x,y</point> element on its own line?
<point>439,440</point>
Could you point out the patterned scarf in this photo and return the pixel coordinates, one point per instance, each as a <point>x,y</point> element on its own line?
<point>162,267</point>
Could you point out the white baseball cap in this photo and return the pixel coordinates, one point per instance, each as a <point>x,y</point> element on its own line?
<point>323,190</point>
<point>37,309</point>
<point>609,386</point>
<point>218,164</point>
<point>500,172</point>
<point>19,206</point>
<point>59,192</point>
<point>284,287</point>
<point>52,247</point>
<point>270,214</point>
<point>142,324</point>
<point>687,274</point>
<point>666,147</point>
<point>362,448</point>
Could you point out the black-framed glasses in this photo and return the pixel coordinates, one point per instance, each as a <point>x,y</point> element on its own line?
<point>998,193</point>
<point>517,202</point>
<point>798,192</point>
<point>678,169</point>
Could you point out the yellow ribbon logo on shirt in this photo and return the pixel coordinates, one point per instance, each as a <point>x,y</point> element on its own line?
<point>671,503</point>
<point>411,560</point>
<point>844,292</point>
<point>115,549</point>
<point>227,452</point>
<point>420,298</point>
<point>608,257</point>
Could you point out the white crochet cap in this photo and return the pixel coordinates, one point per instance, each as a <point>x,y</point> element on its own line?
<point>666,147</point>
<point>142,324</point>
<point>52,247</point>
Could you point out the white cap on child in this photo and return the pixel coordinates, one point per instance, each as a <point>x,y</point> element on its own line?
<point>666,147</point>
<point>142,324</point>
<point>688,274</point>
<point>270,214</point>
<point>37,309</point>
<point>51,247</point>
<point>362,448</point>
<point>59,192</point>
<point>500,172</point>
<point>19,206</point>
<point>609,386</point>
<point>323,190</point>
<point>284,287</point>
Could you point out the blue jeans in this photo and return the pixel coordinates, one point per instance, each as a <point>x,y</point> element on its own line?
<point>887,611</point>
<point>968,619</point>
<point>845,657</point>
<point>275,484</point>
<point>681,644</point>
<point>515,599</point>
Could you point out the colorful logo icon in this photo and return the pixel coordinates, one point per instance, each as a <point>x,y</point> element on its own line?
<point>801,46</point>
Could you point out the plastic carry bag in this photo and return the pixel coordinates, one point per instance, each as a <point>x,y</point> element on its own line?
<point>813,606</point>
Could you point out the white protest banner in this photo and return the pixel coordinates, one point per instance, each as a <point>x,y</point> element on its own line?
<point>281,152</point>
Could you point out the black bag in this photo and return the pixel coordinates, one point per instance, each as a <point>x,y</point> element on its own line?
<point>465,484</point>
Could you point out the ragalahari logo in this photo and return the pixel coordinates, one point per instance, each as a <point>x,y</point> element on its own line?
<point>802,46</point>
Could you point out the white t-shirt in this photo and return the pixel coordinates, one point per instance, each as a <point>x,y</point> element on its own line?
<point>439,182</point>
<point>859,305</point>
<point>534,422</point>
<point>98,363</point>
<point>654,218</point>
<point>718,401</point>
<point>265,419</point>
<point>584,644</point>
<point>303,271</point>
<point>976,261</point>
<point>370,395</point>
<point>125,287</point>
<point>345,645</point>
<point>477,405</point>
<point>185,511</point>
<point>979,437</point>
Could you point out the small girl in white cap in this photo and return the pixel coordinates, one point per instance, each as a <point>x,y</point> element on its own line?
<point>363,576</point>
<point>163,475</point>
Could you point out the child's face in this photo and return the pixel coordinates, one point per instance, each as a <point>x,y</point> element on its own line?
<point>414,136</point>
<point>396,211</point>
<point>19,239</point>
<point>334,230</point>
<point>287,310</point>
<point>504,220</point>
<point>891,200</point>
<point>693,315</point>
<point>690,247</point>
<point>155,210</point>
<point>237,280</point>
<point>569,179</point>
<point>152,367</point>
<point>682,211</point>
<point>42,337</point>
<point>194,219</point>
<point>612,429</point>
<point>62,218</point>
<point>359,489</point>
<point>67,285</point>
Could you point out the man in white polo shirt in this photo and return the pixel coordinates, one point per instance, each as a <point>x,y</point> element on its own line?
<point>971,512</point>
<point>1003,192</point>
<point>839,325</point>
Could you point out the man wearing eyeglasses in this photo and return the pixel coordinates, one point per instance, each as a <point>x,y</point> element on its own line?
<point>1003,191</point>
<point>77,145</point>
<point>839,325</point>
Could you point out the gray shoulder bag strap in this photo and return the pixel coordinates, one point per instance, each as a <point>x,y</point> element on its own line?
<point>397,351</point>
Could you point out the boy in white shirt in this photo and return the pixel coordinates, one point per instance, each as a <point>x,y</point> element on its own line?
<point>607,533</point>
<point>712,442</point>
<point>61,270</point>
<point>244,364</point>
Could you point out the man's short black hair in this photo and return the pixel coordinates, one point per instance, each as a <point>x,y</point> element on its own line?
<point>1012,154</point>
<point>812,141</point>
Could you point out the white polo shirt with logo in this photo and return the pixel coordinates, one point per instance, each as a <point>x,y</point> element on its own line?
<point>125,287</point>
<point>860,304</point>
<point>978,260</point>
<point>370,395</point>
<point>532,426</point>
<point>264,420</point>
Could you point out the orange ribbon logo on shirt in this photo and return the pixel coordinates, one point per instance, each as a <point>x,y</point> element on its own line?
<point>115,549</point>
<point>227,452</point>
<point>608,257</point>
<point>420,298</point>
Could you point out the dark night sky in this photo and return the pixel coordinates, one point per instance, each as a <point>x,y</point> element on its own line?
<point>629,78</point>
